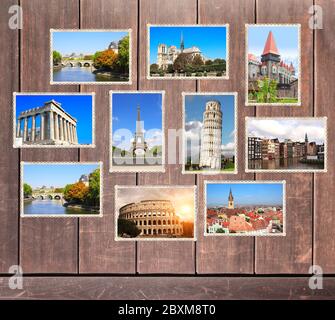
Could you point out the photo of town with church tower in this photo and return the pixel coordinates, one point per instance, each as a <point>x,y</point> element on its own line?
<point>209,142</point>
<point>273,64</point>
<point>137,131</point>
<point>53,120</point>
<point>245,208</point>
<point>194,51</point>
<point>286,144</point>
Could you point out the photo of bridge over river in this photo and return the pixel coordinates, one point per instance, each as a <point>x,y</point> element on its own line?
<point>90,56</point>
<point>60,189</point>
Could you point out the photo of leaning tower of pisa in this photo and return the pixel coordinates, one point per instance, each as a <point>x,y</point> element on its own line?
<point>209,121</point>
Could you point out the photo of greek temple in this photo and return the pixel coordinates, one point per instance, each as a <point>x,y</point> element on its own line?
<point>40,121</point>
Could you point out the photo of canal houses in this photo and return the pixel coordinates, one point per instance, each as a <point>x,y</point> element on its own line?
<point>286,144</point>
<point>188,51</point>
<point>210,133</point>
<point>245,208</point>
<point>273,70</point>
<point>90,56</point>
<point>61,189</point>
<point>137,131</point>
<point>48,120</point>
<point>155,212</point>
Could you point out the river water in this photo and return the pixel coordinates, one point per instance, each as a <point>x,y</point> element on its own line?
<point>291,163</point>
<point>50,207</point>
<point>80,74</point>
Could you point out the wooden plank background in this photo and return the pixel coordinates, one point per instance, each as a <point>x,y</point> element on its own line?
<point>72,247</point>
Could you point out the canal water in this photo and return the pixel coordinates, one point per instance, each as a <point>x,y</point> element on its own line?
<point>80,74</point>
<point>292,163</point>
<point>50,207</point>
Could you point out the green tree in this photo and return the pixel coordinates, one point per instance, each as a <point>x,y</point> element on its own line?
<point>181,62</point>
<point>220,230</point>
<point>154,68</point>
<point>27,190</point>
<point>88,57</point>
<point>59,190</point>
<point>208,62</point>
<point>123,54</point>
<point>93,195</point>
<point>127,227</point>
<point>267,90</point>
<point>56,57</point>
<point>219,61</point>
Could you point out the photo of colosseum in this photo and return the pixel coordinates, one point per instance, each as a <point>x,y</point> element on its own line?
<point>156,212</point>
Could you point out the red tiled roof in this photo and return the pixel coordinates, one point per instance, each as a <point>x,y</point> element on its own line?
<point>270,45</point>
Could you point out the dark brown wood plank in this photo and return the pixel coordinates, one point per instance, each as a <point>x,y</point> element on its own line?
<point>176,256</point>
<point>324,202</point>
<point>9,160</point>
<point>48,244</point>
<point>293,253</point>
<point>168,288</point>
<point>98,252</point>
<point>236,254</point>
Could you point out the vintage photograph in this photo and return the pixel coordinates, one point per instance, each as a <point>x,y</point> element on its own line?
<point>155,212</point>
<point>210,132</point>
<point>61,189</point>
<point>188,51</point>
<point>245,208</point>
<point>90,56</point>
<point>63,120</point>
<point>286,144</point>
<point>137,131</point>
<point>273,71</point>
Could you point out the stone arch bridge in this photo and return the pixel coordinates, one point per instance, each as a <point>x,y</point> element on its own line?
<point>48,196</point>
<point>77,63</point>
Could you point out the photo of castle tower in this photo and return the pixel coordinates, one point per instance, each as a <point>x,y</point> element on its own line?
<point>273,64</point>
<point>55,120</point>
<point>137,131</point>
<point>240,208</point>
<point>188,51</point>
<point>209,132</point>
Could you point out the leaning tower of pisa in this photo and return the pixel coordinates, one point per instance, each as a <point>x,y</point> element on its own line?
<point>211,136</point>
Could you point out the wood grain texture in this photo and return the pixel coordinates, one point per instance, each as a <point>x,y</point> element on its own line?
<point>324,201</point>
<point>46,245</point>
<point>224,254</point>
<point>98,252</point>
<point>167,288</point>
<point>293,253</point>
<point>9,159</point>
<point>160,256</point>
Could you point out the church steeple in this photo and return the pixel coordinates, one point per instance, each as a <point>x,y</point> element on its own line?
<point>230,200</point>
<point>182,42</point>
<point>306,137</point>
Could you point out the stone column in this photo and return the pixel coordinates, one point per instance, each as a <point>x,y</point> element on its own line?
<point>56,127</point>
<point>68,131</point>
<point>65,130</point>
<point>51,125</point>
<point>33,128</point>
<point>61,128</point>
<point>25,129</point>
<point>71,133</point>
<point>42,129</point>
<point>75,134</point>
<point>18,128</point>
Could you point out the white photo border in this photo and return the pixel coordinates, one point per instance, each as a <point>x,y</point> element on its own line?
<point>129,82</point>
<point>134,168</point>
<point>235,94</point>
<point>247,25</point>
<point>77,146</point>
<point>22,215</point>
<point>206,182</point>
<point>226,77</point>
<point>324,119</point>
<point>116,214</point>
